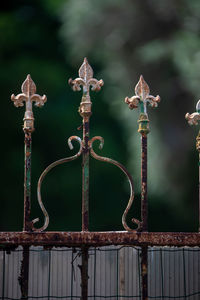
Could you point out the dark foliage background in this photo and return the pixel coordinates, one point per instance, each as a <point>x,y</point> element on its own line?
<point>122,39</point>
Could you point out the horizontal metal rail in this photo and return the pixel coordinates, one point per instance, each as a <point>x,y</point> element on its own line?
<point>78,239</point>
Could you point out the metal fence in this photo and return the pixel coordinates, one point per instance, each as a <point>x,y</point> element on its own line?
<point>135,264</point>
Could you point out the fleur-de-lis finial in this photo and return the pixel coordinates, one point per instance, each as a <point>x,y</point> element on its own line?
<point>28,96</point>
<point>142,98</point>
<point>194,117</point>
<point>86,80</point>
<point>193,120</point>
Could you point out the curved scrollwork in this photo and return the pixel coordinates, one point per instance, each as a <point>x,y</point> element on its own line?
<point>44,173</point>
<point>121,167</point>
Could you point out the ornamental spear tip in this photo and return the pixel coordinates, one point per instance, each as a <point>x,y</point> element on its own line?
<point>193,120</point>
<point>194,117</point>
<point>142,98</point>
<point>28,96</point>
<point>85,80</point>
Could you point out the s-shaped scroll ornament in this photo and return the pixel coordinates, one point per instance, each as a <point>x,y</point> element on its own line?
<point>129,177</point>
<point>142,98</point>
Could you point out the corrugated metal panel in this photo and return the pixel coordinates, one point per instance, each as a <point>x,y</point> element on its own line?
<point>114,273</point>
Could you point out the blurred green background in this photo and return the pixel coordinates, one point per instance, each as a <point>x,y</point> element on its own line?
<point>121,39</point>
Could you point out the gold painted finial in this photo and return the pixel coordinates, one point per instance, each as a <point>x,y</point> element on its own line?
<point>141,98</point>
<point>28,96</point>
<point>86,80</point>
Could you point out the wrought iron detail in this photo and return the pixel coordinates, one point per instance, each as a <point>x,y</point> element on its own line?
<point>123,169</point>
<point>86,80</point>
<point>142,98</point>
<point>193,119</point>
<point>42,176</point>
<point>28,96</point>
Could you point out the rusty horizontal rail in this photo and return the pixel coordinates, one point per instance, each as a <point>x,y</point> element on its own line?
<point>78,239</point>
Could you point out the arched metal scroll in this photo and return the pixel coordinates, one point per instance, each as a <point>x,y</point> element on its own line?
<point>28,95</point>
<point>86,80</point>
<point>42,176</point>
<point>124,170</point>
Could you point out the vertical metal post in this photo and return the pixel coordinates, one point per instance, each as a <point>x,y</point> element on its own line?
<point>121,273</point>
<point>144,272</point>
<point>85,80</point>
<point>85,207</point>
<point>27,181</point>
<point>84,273</point>
<point>144,130</point>
<point>193,120</point>
<point>199,193</point>
<point>198,149</point>
<point>142,98</point>
<point>23,278</point>
<point>28,96</point>
<point>144,202</point>
<point>85,176</point>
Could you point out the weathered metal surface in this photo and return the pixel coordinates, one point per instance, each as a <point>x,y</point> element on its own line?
<point>12,239</point>
<point>193,120</point>
<point>85,239</point>
<point>142,98</point>
<point>130,180</point>
<point>24,273</point>
<point>144,272</point>
<point>85,176</point>
<point>144,202</point>
<point>27,181</point>
<point>28,96</point>
<point>84,273</point>
<point>85,80</point>
<point>42,176</point>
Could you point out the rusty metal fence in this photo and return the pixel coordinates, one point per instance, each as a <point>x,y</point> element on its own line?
<point>86,246</point>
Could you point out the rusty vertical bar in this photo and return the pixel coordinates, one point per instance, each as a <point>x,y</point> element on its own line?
<point>144,210</point>
<point>28,96</point>
<point>27,181</point>
<point>85,175</point>
<point>141,99</point>
<point>144,202</point>
<point>85,207</point>
<point>193,119</point>
<point>199,194</point>
<point>198,149</point>
<point>121,273</point>
<point>85,80</point>
<point>24,272</point>
<point>84,273</point>
<point>23,278</point>
<point>144,272</point>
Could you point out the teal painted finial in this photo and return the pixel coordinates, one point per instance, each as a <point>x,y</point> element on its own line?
<point>142,98</point>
